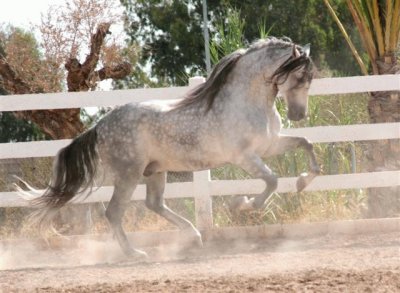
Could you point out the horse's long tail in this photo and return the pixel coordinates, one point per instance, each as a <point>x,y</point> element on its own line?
<point>74,171</point>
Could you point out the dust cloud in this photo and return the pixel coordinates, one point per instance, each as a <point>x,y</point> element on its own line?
<point>82,251</point>
<point>37,254</point>
<point>287,254</point>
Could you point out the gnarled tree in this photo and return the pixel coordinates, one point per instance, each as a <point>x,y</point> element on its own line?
<point>76,51</point>
<point>68,33</point>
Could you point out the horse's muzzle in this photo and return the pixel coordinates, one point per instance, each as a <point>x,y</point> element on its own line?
<point>296,114</point>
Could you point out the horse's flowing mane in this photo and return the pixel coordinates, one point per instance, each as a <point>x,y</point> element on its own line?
<point>208,91</point>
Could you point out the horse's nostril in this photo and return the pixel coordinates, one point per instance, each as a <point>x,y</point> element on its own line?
<point>296,115</point>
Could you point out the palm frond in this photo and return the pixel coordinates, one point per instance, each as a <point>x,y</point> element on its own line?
<point>374,12</point>
<point>395,27</point>
<point>363,27</point>
<point>388,23</point>
<point>360,14</point>
<point>347,38</point>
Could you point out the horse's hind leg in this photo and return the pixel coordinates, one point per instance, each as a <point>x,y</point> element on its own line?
<point>123,189</point>
<point>155,201</point>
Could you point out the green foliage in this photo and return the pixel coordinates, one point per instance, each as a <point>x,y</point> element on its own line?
<point>228,36</point>
<point>11,128</point>
<point>335,158</point>
<point>304,21</point>
<point>91,119</point>
<point>378,26</point>
<point>15,130</point>
<point>138,78</point>
<point>171,35</point>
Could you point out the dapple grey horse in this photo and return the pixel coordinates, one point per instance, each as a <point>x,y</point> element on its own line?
<point>231,118</point>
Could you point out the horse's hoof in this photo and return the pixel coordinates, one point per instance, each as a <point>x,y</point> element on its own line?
<point>304,180</point>
<point>136,254</point>
<point>191,248</point>
<point>198,242</point>
<point>193,240</point>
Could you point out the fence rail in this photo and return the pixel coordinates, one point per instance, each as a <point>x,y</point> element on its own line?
<point>319,134</point>
<point>64,100</point>
<point>203,185</point>
<point>203,188</point>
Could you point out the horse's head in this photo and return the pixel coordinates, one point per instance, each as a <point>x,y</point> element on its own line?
<point>293,78</point>
<point>279,62</point>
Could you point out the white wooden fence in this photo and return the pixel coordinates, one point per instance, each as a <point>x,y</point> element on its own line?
<point>203,188</point>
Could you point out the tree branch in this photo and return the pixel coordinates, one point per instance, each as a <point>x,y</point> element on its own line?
<point>80,76</point>
<point>56,124</point>
<point>96,41</point>
<point>115,72</point>
<point>66,123</point>
<point>11,80</point>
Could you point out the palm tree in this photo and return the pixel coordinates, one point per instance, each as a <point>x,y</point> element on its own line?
<point>378,25</point>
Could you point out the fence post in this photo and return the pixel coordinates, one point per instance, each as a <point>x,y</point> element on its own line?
<point>201,185</point>
<point>196,80</point>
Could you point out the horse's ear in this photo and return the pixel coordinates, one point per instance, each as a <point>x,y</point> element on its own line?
<point>295,52</point>
<point>307,49</point>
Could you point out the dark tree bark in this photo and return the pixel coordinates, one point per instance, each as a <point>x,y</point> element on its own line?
<point>66,123</point>
<point>384,107</point>
<point>56,124</point>
<point>11,81</point>
<point>83,77</point>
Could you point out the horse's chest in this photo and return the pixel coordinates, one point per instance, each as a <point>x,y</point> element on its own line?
<point>266,136</point>
<point>274,122</point>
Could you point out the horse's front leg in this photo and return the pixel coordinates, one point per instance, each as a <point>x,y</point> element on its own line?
<point>286,143</point>
<point>255,166</point>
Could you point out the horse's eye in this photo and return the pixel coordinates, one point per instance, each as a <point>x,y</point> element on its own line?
<point>302,79</point>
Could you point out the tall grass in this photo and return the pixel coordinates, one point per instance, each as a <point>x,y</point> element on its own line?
<point>335,158</point>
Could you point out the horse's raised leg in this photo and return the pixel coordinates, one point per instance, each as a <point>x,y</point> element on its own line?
<point>255,166</point>
<point>287,143</point>
<point>123,189</point>
<point>155,202</point>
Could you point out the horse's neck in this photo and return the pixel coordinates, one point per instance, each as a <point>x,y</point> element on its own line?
<point>254,72</point>
<point>253,92</point>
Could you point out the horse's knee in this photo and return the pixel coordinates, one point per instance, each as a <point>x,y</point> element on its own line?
<point>149,203</point>
<point>306,144</point>
<point>272,184</point>
<point>304,180</point>
<point>258,202</point>
<point>150,169</point>
<point>154,205</point>
<point>114,213</point>
<point>110,215</point>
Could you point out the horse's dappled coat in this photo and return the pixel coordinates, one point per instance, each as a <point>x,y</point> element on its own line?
<point>231,118</point>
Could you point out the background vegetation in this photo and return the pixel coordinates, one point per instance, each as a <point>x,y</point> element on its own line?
<point>171,37</point>
<point>168,48</point>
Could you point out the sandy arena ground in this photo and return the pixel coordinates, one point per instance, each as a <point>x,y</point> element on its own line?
<point>361,263</point>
